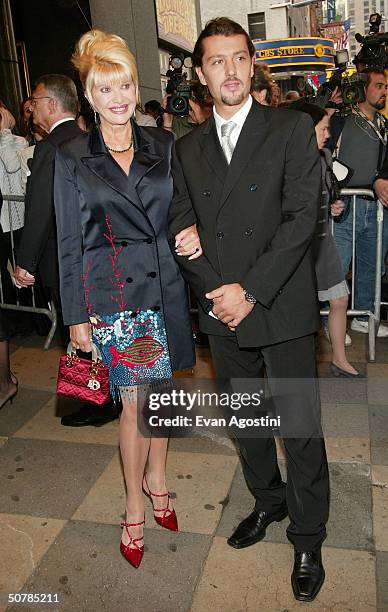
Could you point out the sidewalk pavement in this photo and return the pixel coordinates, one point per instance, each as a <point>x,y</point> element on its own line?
<point>62,499</point>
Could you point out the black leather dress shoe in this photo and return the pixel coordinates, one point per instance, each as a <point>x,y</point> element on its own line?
<point>252,529</point>
<point>308,575</point>
<point>91,415</point>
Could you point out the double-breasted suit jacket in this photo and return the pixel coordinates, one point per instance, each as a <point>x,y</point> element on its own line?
<point>38,247</point>
<point>256,218</point>
<point>113,248</point>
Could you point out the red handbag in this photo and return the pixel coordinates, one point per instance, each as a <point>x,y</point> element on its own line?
<point>82,379</point>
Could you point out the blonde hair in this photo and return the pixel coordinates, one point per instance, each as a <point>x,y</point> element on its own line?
<point>103,59</point>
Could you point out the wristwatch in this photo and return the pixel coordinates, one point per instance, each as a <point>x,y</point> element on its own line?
<point>249,297</point>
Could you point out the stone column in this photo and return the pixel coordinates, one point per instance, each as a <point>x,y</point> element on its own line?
<point>135,21</point>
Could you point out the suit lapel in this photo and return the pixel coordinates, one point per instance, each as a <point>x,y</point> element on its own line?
<point>247,147</point>
<point>212,150</point>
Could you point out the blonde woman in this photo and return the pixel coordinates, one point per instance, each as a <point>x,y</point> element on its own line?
<point>120,285</point>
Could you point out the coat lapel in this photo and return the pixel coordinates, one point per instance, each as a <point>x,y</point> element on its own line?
<point>212,150</point>
<point>247,148</point>
<point>145,160</point>
<point>104,166</point>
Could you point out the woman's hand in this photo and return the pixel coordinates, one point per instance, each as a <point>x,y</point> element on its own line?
<point>187,243</point>
<point>7,120</point>
<point>81,336</point>
<point>337,208</point>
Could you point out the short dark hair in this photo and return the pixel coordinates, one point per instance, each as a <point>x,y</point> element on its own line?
<point>262,80</point>
<point>369,71</point>
<point>153,106</point>
<point>221,26</point>
<point>63,89</point>
<point>316,112</point>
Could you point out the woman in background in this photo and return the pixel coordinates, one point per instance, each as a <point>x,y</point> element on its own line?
<point>332,286</point>
<point>263,86</point>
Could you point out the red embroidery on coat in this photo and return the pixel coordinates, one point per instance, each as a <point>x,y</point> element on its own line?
<point>143,351</point>
<point>86,288</point>
<point>117,273</point>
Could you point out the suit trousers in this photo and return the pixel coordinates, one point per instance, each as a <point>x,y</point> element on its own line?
<point>291,373</point>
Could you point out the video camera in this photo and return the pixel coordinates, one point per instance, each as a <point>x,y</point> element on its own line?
<point>352,87</point>
<point>178,94</point>
<point>373,52</point>
<point>180,90</point>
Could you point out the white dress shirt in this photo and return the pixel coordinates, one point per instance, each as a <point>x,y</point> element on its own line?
<point>59,123</point>
<point>238,118</point>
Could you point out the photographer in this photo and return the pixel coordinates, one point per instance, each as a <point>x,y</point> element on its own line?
<point>359,141</point>
<point>200,106</point>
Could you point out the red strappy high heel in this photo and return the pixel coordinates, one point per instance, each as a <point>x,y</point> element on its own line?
<point>132,555</point>
<point>169,519</point>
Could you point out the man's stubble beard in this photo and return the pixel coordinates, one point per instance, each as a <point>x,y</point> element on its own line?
<point>233,101</point>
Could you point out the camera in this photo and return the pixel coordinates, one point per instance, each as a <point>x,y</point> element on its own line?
<point>179,92</point>
<point>352,87</point>
<point>373,52</point>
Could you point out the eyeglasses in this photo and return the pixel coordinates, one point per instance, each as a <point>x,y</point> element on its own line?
<point>33,99</point>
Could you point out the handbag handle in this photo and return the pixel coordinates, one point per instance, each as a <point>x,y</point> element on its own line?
<point>96,354</point>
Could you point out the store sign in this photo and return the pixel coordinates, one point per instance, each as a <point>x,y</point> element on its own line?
<point>177,22</point>
<point>316,53</point>
<point>280,52</point>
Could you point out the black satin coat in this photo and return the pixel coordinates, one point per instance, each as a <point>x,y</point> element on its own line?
<point>112,235</point>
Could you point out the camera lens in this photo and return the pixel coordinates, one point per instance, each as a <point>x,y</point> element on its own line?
<point>179,104</point>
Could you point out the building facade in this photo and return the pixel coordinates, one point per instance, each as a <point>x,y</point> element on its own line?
<point>38,38</point>
<point>359,11</point>
<point>262,19</point>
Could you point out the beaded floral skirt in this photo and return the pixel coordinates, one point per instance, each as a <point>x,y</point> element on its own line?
<point>134,346</point>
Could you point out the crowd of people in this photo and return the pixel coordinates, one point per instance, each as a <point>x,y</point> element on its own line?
<point>235,200</point>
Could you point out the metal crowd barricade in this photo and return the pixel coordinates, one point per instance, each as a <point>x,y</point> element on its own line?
<point>50,311</point>
<point>373,316</point>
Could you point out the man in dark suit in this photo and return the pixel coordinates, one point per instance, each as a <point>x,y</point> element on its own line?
<point>55,106</point>
<point>250,178</point>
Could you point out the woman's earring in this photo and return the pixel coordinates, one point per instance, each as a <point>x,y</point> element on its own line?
<point>95,117</point>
